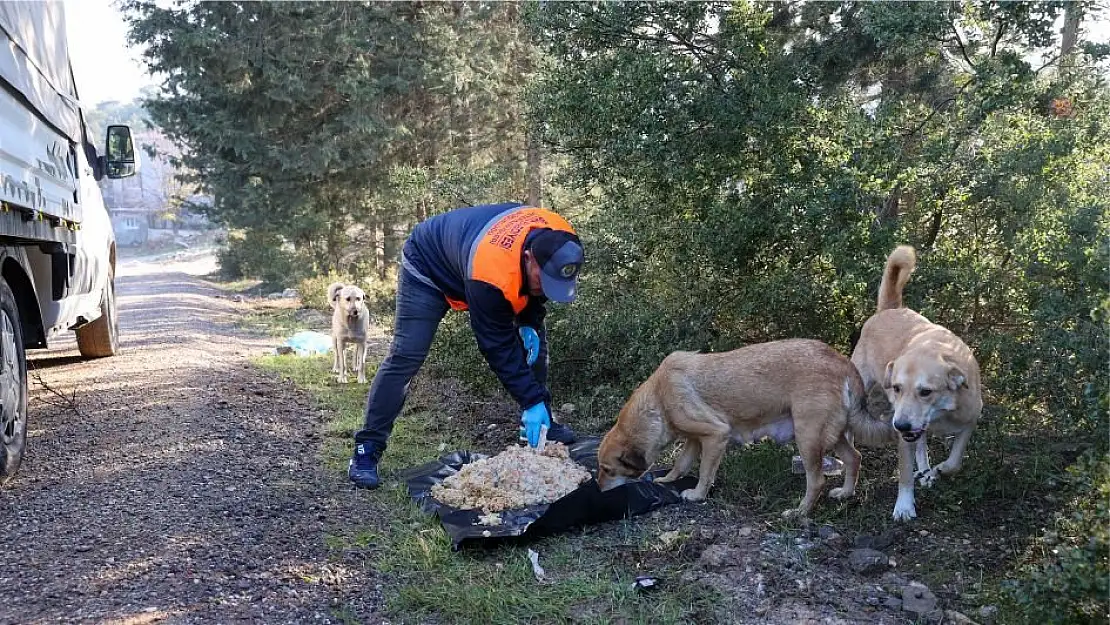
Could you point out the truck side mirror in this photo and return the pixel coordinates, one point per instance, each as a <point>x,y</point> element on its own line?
<point>121,160</point>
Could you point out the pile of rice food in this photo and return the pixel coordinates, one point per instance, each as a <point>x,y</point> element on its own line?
<point>515,478</point>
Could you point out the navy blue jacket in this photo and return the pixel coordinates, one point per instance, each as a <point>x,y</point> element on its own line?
<point>439,249</point>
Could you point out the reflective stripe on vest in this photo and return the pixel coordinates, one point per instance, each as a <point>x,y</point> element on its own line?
<point>495,256</point>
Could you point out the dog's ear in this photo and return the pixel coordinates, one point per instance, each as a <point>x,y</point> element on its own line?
<point>888,374</point>
<point>334,291</point>
<point>634,460</point>
<point>956,378</point>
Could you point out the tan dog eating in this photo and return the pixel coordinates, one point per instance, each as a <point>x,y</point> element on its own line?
<point>796,389</point>
<point>930,377</point>
<point>350,325</point>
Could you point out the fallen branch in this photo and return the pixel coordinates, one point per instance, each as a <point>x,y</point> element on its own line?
<point>57,398</point>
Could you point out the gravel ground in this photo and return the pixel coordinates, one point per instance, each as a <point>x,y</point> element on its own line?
<point>179,485</point>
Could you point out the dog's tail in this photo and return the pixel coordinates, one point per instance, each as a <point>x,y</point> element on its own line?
<point>899,265</point>
<point>333,292</point>
<point>865,429</point>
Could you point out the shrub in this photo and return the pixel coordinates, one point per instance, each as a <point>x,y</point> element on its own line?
<point>381,295</point>
<point>257,254</point>
<point>1069,582</point>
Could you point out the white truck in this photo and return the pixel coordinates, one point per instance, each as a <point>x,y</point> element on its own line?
<point>57,250</point>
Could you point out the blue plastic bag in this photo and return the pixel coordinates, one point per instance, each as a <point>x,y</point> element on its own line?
<point>309,343</point>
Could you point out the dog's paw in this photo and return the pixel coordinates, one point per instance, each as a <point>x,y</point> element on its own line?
<point>692,494</point>
<point>793,514</point>
<point>947,468</point>
<point>928,478</point>
<point>667,479</point>
<point>343,379</point>
<point>362,379</point>
<point>841,492</point>
<point>904,511</point>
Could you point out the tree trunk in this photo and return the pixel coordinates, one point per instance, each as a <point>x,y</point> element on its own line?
<point>934,228</point>
<point>534,169</point>
<point>1073,14</point>
<point>393,239</point>
<point>335,238</point>
<point>890,209</point>
<point>379,249</point>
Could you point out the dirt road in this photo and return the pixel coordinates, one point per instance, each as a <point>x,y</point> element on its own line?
<point>180,485</point>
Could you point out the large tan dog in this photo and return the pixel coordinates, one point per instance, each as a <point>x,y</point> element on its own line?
<point>930,377</point>
<point>350,325</point>
<point>795,389</point>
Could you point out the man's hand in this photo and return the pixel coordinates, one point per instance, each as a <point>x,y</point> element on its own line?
<point>534,419</point>
<point>531,343</point>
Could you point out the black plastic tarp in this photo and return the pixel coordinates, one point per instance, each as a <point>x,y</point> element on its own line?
<point>584,506</point>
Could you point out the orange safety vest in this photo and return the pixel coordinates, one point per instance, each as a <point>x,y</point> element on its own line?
<point>495,257</point>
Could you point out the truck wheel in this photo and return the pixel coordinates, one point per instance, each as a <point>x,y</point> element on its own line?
<point>101,337</point>
<point>13,386</point>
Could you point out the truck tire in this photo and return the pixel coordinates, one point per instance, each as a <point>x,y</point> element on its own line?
<point>13,386</point>
<point>100,338</point>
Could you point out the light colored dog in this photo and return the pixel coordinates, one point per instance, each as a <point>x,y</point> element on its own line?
<point>929,375</point>
<point>794,389</point>
<point>350,325</point>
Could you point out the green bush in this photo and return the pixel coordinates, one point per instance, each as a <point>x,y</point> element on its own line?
<point>1069,581</point>
<point>258,254</point>
<point>381,295</point>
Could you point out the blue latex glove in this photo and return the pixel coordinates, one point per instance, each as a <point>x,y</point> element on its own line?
<point>531,343</point>
<point>534,419</point>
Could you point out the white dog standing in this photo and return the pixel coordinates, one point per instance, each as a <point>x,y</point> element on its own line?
<point>350,325</point>
<point>930,377</point>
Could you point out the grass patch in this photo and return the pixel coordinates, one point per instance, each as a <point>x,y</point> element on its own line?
<point>246,286</point>
<point>759,478</point>
<point>276,322</point>
<point>270,317</point>
<point>591,572</point>
<point>415,440</point>
<point>497,585</point>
